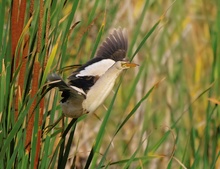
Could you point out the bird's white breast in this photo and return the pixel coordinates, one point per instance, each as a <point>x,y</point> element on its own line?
<point>100,90</point>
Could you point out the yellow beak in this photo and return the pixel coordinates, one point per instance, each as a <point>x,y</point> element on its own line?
<point>129,65</point>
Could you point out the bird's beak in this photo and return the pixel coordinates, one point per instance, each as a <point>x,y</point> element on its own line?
<point>129,65</point>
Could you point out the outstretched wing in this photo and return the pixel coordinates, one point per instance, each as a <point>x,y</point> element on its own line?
<point>113,49</point>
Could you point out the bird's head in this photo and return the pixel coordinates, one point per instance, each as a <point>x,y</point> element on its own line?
<point>121,65</point>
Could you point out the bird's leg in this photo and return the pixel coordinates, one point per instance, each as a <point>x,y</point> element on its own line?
<point>50,127</point>
<point>97,116</point>
<point>105,107</point>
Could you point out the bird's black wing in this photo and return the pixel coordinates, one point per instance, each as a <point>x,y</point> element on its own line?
<point>114,47</point>
<point>56,81</point>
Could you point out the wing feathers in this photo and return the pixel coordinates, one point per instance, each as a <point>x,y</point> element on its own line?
<point>56,81</point>
<point>114,47</point>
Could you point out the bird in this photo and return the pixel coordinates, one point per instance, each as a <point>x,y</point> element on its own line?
<point>90,84</point>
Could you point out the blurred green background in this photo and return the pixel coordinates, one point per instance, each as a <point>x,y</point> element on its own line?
<point>176,124</point>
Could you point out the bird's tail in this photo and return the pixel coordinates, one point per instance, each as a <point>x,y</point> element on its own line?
<point>56,81</point>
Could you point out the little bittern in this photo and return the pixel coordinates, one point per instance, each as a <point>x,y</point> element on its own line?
<point>91,83</point>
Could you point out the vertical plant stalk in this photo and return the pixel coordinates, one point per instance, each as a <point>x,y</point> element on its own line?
<point>35,84</point>
<point>30,121</point>
<point>47,37</point>
<point>31,7</point>
<point>14,26</point>
<point>39,41</point>
<point>17,23</point>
